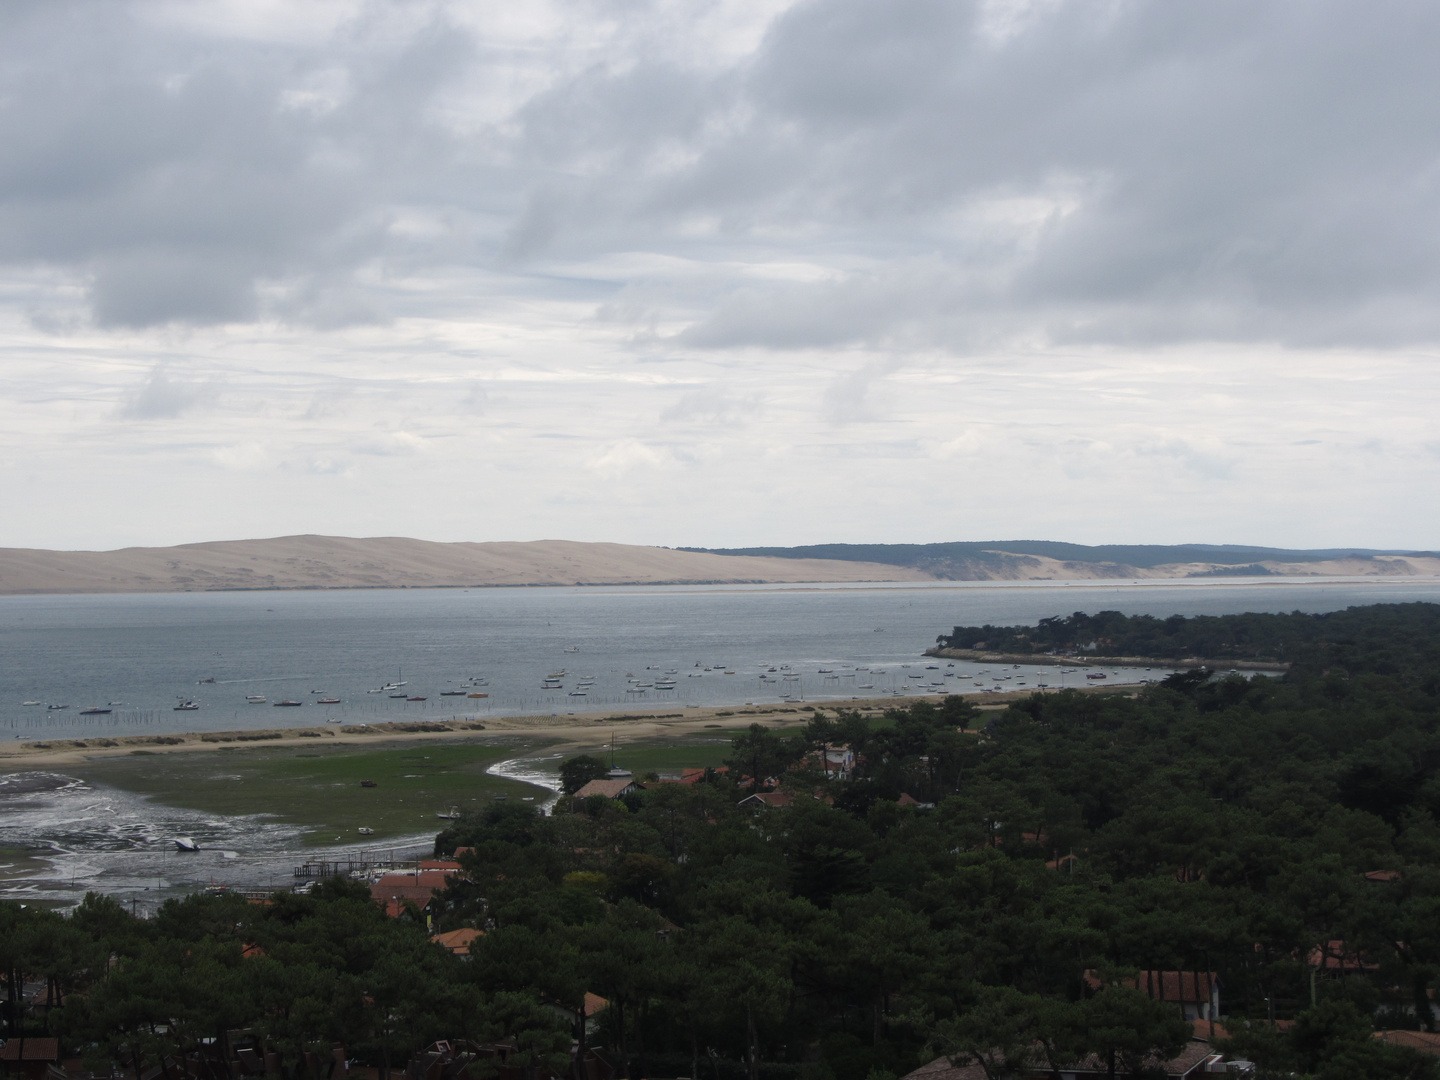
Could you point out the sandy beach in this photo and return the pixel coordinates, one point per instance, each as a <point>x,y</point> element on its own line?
<point>579,728</point>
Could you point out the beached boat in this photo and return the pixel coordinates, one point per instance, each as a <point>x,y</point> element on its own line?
<point>334,720</point>
<point>365,831</point>
<point>452,815</point>
<point>368,783</point>
<point>184,843</point>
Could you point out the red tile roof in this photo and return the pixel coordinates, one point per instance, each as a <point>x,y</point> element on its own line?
<point>31,1050</point>
<point>393,889</point>
<point>1426,1041</point>
<point>611,789</point>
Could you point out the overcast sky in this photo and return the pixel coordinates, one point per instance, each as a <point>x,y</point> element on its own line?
<point>720,273</point>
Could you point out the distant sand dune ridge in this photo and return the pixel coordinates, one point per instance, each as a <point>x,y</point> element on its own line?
<point>393,562</point>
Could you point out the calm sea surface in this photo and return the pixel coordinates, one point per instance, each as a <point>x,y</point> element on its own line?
<point>139,655</point>
<point>60,835</point>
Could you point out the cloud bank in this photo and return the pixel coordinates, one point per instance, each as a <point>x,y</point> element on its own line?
<point>1134,245</point>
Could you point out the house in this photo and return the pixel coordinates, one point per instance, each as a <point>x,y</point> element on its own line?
<point>1196,1060</point>
<point>417,887</point>
<point>30,1058</point>
<point>448,865</point>
<point>767,798</point>
<point>1196,992</point>
<point>1427,1042</point>
<point>1338,958</point>
<point>610,789</point>
<point>594,1005</point>
<point>458,941</point>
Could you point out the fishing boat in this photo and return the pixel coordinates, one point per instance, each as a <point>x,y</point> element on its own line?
<point>187,705</point>
<point>94,710</point>
<point>255,699</point>
<point>184,843</point>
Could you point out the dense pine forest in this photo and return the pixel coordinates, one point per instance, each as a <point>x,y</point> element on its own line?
<point>997,885</point>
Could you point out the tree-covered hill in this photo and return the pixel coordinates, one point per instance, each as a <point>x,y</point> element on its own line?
<point>1379,637</point>
<point>954,558</point>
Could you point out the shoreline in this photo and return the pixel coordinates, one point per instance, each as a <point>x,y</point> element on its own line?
<point>901,580</point>
<point>1053,660</point>
<point>563,728</point>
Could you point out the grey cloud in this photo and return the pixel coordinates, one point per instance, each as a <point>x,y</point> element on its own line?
<point>1132,172</point>
<point>161,397</point>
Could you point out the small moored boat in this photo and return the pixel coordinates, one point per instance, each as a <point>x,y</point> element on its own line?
<point>184,843</point>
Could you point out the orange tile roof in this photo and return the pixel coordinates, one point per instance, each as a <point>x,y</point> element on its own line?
<point>458,941</point>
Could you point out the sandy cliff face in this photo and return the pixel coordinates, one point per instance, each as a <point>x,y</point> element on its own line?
<point>334,562</point>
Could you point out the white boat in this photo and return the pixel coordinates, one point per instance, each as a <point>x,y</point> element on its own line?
<point>255,699</point>
<point>187,706</point>
<point>32,703</point>
<point>452,815</point>
<point>365,831</point>
<point>184,843</point>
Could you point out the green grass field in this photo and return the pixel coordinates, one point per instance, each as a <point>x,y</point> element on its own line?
<point>667,754</point>
<point>319,789</point>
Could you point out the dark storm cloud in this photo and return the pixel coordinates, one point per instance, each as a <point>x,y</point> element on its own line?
<point>954,173</point>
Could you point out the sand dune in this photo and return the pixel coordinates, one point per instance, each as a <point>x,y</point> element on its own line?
<point>392,562</point>
<point>336,562</point>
